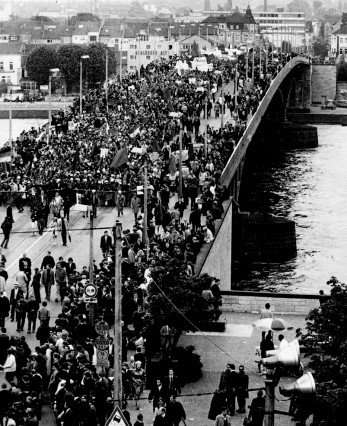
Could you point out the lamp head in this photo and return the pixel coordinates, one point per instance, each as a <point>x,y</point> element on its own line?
<point>305,385</point>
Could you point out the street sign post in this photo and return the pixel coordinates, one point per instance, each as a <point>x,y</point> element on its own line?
<point>102,328</point>
<point>90,290</point>
<point>102,343</point>
<point>117,418</point>
<point>102,357</point>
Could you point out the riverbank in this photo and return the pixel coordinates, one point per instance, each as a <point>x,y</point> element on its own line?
<point>317,115</point>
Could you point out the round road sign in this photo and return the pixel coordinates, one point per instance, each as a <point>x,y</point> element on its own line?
<point>90,290</point>
<point>102,328</point>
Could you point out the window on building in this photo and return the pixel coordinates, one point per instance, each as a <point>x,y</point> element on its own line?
<point>159,46</point>
<point>8,79</point>
<point>148,58</point>
<point>133,46</point>
<point>3,79</point>
<point>93,38</point>
<point>49,41</point>
<point>132,56</point>
<point>11,66</point>
<point>1,65</point>
<point>132,67</point>
<point>148,46</point>
<point>237,27</point>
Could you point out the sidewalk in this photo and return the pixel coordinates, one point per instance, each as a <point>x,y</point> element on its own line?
<point>236,345</point>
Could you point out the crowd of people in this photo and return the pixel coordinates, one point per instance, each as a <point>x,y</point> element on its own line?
<point>52,175</point>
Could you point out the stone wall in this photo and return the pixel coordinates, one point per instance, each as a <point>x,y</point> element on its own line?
<point>242,301</point>
<point>217,260</point>
<point>323,83</point>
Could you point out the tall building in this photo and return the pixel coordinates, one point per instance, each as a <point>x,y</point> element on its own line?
<point>282,27</point>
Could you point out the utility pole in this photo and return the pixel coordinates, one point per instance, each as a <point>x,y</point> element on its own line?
<point>205,144</point>
<point>269,418</point>
<point>10,129</point>
<point>145,205</point>
<point>117,382</point>
<point>180,163</point>
<point>49,106</point>
<point>246,66</point>
<point>91,257</point>
<point>253,65</point>
<point>222,107</point>
<point>235,84</point>
<point>106,80</point>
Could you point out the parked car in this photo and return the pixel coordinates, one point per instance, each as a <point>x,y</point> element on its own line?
<point>342,103</point>
<point>329,104</point>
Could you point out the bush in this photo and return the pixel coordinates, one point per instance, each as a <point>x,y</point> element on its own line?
<point>189,364</point>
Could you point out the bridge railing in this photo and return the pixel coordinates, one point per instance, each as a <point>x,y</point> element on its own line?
<point>241,148</point>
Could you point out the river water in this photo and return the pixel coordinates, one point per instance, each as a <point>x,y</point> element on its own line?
<point>18,125</point>
<point>310,187</point>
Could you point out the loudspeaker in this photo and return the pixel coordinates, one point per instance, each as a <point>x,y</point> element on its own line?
<point>289,357</point>
<point>305,385</point>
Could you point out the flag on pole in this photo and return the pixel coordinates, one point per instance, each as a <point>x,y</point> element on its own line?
<point>5,154</point>
<point>120,158</point>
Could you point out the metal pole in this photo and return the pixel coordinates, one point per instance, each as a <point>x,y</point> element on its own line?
<point>49,106</point>
<point>235,84</point>
<point>107,80</point>
<point>91,256</point>
<point>205,145</point>
<point>266,57</point>
<point>80,86</point>
<point>10,128</point>
<point>222,106</point>
<point>246,67</point>
<point>180,164</point>
<point>117,382</point>
<point>145,206</point>
<point>253,65</point>
<point>260,63</point>
<point>269,418</point>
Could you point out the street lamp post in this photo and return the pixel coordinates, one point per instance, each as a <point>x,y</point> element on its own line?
<point>52,70</point>
<point>81,88</point>
<point>106,91</point>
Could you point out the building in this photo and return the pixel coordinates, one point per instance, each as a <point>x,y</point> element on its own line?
<point>282,27</point>
<point>147,48</point>
<point>10,63</point>
<point>234,28</point>
<point>86,32</point>
<point>338,42</point>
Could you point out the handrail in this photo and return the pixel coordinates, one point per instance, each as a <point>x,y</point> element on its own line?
<point>240,149</point>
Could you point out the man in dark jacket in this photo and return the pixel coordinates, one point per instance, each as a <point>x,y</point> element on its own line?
<point>48,260</point>
<point>4,308</point>
<point>242,391</point>
<point>175,411</point>
<point>157,392</point>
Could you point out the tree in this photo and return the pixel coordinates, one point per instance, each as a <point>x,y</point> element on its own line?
<point>39,62</point>
<point>300,6</point>
<point>84,17</point>
<point>68,58</point>
<point>97,62</point>
<point>326,341</point>
<point>195,49</point>
<point>317,4</point>
<point>171,283</point>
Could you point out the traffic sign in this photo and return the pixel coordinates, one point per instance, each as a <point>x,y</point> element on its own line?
<point>102,328</point>
<point>90,290</point>
<point>102,343</point>
<point>101,357</point>
<point>117,418</point>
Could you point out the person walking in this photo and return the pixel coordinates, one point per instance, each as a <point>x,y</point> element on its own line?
<point>63,227</point>
<point>16,293</point>
<point>36,284</point>
<point>22,280</point>
<point>242,391</point>
<point>138,377</point>
<point>20,313</point>
<point>4,308</point>
<point>105,244</point>
<point>6,227</point>
<point>120,202</point>
<point>48,260</point>
<point>157,392</point>
<point>135,204</point>
<point>175,411</point>
<point>44,314</point>
<point>223,419</point>
<point>61,281</point>
<point>32,307</point>
<point>47,280</point>
<point>10,366</point>
<point>266,313</point>
<point>257,410</point>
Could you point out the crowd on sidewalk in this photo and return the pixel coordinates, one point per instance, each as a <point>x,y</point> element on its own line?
<point>79,156</point>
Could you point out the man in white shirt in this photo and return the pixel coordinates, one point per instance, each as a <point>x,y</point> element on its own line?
<point>283,342</point>
<point>10,366</point>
